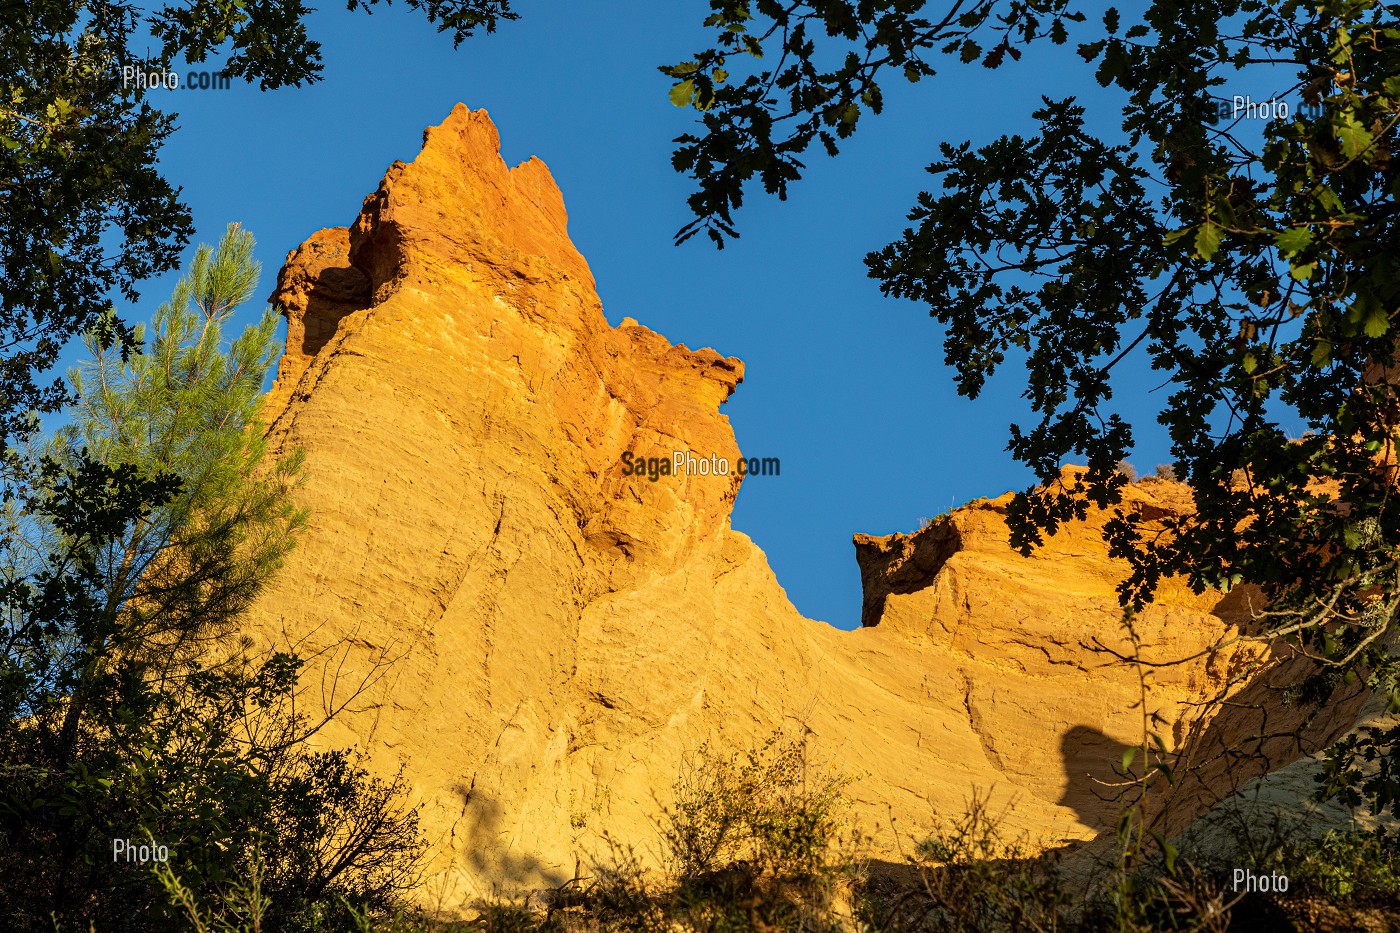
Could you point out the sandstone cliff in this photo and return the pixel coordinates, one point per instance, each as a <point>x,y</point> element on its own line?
<point>563,633</point>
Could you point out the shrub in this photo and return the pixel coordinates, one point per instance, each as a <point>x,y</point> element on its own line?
<point>970,877</point>
<point>750,845</point>
<point>768,809</point>
<point>753,846</point>
<point>1360,868</point>
<point>129,709</point>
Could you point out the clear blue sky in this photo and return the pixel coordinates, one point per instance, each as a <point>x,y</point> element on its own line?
<point>848,388</point>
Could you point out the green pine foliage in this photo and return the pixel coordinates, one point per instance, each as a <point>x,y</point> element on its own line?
<point>188,405</point>
<point>130,709</point>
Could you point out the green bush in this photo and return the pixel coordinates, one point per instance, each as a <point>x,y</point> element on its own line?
<point>768,809</point>
<point>1360,868</point>
<point>129,709</point>
<point>753,845</point>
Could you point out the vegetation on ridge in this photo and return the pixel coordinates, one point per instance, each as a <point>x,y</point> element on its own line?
<point>764,842</point>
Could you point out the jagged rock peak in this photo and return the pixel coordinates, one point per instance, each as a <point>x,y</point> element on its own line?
<point>458,200</point>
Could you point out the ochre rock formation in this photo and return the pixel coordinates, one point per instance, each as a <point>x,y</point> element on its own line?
<point>563,635</point>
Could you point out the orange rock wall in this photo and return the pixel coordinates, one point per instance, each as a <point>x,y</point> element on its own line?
<point>562,634</point>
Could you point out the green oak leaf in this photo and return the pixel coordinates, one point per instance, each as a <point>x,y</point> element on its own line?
<point>682,93</point>
<point>1293,241</point>
<point>1207,241</point>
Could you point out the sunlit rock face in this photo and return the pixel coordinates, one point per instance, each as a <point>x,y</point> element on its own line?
<point>563,630</point>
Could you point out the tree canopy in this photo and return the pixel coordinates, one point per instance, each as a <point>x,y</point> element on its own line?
<point>1253,263</point>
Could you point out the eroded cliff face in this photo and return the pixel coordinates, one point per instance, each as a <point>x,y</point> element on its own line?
<point>562,634</point>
